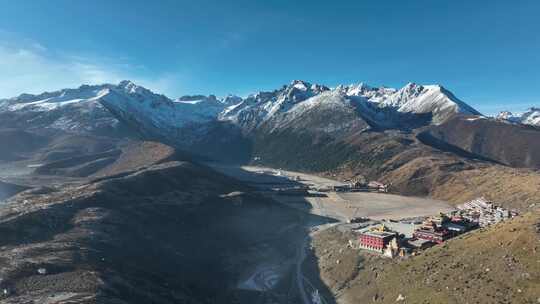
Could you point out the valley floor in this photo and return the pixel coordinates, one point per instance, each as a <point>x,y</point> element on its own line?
<point>339,206</point>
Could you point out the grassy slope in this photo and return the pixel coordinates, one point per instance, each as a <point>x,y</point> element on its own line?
<point>500,264</point>
<point>512,144</point>
<point>459,182</point>
<point>517,188</point>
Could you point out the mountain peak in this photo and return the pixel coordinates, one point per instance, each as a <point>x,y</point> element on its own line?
<point>411,85</point>
<point>412,88</point>
<point>529,117</point>
<point>230,100</point>
<point>300,84</point>
<point>126,83</point>
<point>359,89</point>
<point>130,87</point>
<point>504,115</point>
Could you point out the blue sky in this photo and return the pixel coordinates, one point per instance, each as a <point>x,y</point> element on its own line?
<point>486,52</point>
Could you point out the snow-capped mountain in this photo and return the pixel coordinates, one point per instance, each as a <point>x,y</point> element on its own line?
<point>414,98</point>
<point>136,104</point>
<point>103,107</point>
<point>260,107</point>
<point>99,107</point>
<point>74,110</point>
<point>291,118</point>
<point>329,112</point>
<point>382,106</point>
<point>529,117</point>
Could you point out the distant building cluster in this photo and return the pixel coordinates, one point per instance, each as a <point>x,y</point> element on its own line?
<point>484,212</point>
<point>400,238</point>
<point>356,186</point>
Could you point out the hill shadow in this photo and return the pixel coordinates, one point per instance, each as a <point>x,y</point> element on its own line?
<point>176,230</point>
<point>305,273</point>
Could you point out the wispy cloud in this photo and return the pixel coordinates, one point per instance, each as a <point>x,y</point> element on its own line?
<point>30,67</point>
<point>33,69</point>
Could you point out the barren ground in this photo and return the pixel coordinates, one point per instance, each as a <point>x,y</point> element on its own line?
<point>340,206</point>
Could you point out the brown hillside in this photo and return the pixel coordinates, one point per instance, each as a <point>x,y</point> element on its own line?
<point>511,144</point>
<point>458,182</point>
<point>500,264</point>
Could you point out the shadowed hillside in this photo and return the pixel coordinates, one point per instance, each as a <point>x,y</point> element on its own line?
<point>164,234</point>
<point>7,190</point>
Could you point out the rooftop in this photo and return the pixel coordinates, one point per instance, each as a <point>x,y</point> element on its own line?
<point>380,234</point>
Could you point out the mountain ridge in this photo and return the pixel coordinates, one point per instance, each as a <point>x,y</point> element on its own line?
<point>530,117</point>
<point>250,111</point>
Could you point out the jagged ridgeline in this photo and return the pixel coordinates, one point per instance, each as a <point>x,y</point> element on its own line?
<point>353,128</point>
<point>204,124</point>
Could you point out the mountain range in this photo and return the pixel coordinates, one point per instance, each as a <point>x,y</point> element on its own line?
<point>274,126</point>
<point>88,108</point>
<point>237,129</point>
<point>84,109</point>
<point>529,117</point>
<point>117,208</point>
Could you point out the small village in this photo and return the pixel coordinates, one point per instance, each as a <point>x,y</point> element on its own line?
<point>356,186</point>
<point>346,186</point>
<point>406,237</point>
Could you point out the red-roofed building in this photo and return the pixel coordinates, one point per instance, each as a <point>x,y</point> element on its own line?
<point>375,240</point>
